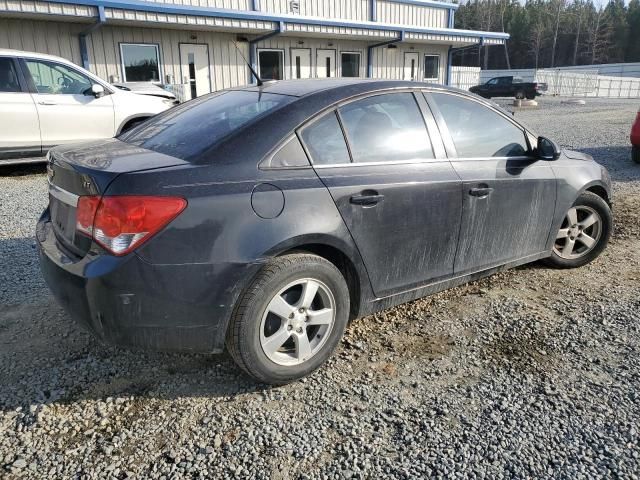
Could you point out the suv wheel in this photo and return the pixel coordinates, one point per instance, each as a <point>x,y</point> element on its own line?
<point>520,95</point>
<point>290,319</point>
<point>635,154</point>
<point>584,232</point>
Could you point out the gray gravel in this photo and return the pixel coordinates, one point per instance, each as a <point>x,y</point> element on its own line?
<point>532,373</point>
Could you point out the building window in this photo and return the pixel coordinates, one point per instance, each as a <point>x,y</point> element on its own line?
<point>140,62</point>
<point>350,64</point>
<point>271,64</point>
<point>431,67</point>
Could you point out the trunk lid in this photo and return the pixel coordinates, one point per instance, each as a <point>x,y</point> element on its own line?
<point>88,169</point>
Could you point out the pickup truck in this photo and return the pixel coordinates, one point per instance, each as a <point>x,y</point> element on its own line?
<point>509,87</point>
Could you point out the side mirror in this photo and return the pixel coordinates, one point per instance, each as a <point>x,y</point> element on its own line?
<point>97,90</point>
<point>547,149</point>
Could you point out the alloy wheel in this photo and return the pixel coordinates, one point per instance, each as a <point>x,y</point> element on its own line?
<point>579,233</point>
<point>297,322</point>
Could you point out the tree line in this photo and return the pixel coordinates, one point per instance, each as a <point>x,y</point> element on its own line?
<point>551,33</point>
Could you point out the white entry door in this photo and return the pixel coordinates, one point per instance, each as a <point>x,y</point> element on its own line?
<point>411,65</point>
<point>195,68</point>
<point>325,63</point>
<point>300,63</point>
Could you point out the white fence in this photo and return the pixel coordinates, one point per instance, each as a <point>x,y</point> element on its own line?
<point>182,91</point>
<point>560,81</point>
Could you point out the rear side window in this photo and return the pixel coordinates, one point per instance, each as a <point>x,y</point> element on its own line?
<point>58,79</point>
<point>386,128</point>
<point>8,76</point>
<point>190,129</point>
<point>325,141</point>
<point>477,131</point>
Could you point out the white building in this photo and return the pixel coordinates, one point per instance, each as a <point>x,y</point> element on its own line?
<point>201,44</point>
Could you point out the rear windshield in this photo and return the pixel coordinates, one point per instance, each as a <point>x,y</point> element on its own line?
<point>192,128</point>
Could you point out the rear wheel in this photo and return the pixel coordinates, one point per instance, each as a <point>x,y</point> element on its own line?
<point>584,232</point>
<point>530,96</point>
<point>290,319</point>
<point>519,95</point>
<point>635,154</point>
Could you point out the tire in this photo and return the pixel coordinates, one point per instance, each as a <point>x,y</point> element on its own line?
<point>520,95</point>
<point>582,253</point>
<point>635,154</point>
<point>254,323</point>
<point>531,96</point>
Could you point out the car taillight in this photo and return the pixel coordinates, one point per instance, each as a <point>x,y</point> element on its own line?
<point>122,223</point>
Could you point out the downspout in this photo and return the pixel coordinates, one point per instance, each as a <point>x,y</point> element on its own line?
<point>451,17</point>
<point>252,47</point>
<point>373,11</point>
<point>255,5</point>
<point>376,45</point>
<point>84,53</point>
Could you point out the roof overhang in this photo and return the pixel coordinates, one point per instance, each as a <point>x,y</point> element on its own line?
<point>152,14</point>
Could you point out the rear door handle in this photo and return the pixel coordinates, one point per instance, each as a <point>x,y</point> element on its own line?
<point>367,200</point>
<point>480,191</point>
<point>46,102</point>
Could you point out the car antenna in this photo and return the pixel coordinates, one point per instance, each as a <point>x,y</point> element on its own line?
<point>259,81</point>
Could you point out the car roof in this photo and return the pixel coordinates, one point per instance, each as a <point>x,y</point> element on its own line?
<point>21,53</point>
<point>305,87</point>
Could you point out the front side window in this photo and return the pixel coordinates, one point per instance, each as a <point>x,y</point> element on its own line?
<point>55,78</point>
<point>140,62</point>
<point>325,141</point>
<point>386,128</point>
<point>350,64</point>
<point>431,67</point>
<point>271,64</point>
<point>478,131</point>
<point>190,129</point>
<point>8,76</point>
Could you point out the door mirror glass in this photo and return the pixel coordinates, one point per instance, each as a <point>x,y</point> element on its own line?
<point>547,149</point>
<point>97,90</point>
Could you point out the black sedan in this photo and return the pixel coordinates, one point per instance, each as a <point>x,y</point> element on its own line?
<point>264,218</point>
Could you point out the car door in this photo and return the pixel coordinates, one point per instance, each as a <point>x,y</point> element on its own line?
<point>67,109</point>
<point>397,193</point>
<point>508,195</point>
<point>19,126</point>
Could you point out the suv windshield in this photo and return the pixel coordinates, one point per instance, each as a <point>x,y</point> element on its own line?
<point>190,129</point>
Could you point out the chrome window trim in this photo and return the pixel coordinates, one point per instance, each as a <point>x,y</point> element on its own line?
<point>392,162</point>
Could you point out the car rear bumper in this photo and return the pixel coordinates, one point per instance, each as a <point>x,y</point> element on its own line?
<point>127,301</point>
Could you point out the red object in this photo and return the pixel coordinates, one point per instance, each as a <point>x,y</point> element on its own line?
<point>635,131</point>
<point>122,223</point>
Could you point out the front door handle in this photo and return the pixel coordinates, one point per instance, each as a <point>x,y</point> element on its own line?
<point>367,200</point>
<point>480,192</point>
<point>46,102</point>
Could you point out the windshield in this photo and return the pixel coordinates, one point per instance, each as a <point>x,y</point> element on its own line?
<point>189,129</point>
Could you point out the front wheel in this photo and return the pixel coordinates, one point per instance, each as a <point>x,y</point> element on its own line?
<point>584,232</point>
<point>290,319</point>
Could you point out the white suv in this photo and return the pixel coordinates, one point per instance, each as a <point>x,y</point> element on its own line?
<point>47,101</point>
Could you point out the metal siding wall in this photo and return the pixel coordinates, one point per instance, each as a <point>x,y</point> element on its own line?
<point>227,69</point>
<point>409,14</point>
<point>340,9</point>
<point>229,4</point>
<point>53,38</point>
<point>388,63</point>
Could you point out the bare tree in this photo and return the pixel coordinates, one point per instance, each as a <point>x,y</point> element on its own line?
<point>559,9</point>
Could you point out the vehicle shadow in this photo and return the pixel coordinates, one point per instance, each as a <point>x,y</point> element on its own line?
<point>22,170</point>
<point>45,357</point>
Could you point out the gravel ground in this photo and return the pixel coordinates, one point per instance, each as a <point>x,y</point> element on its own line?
<point>531,373</point>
